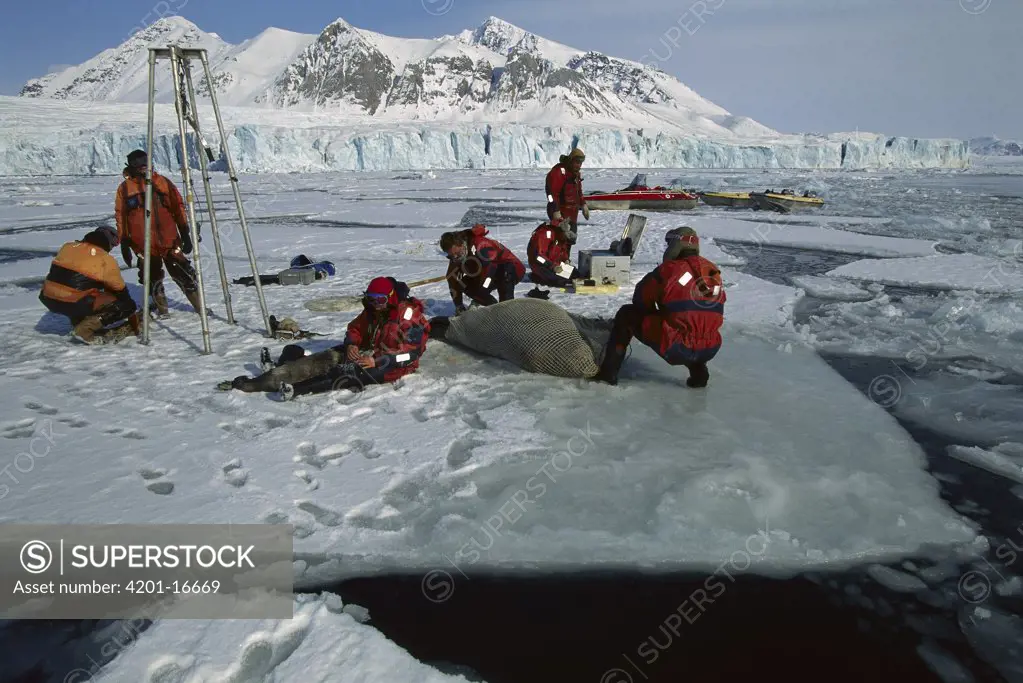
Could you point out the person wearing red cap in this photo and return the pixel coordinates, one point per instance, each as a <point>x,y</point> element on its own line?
<point>677,310</point>
<point>479,265</point>
<point>548,255</point>
<point>383,343</point>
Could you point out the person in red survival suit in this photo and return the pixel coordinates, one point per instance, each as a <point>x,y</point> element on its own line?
<point>676,310</point>
<point>564,186</point>
<point>548,257</point>
<point>478,265</point>
<point>383,343</point>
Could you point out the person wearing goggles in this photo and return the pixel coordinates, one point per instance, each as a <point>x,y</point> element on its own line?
<point>382,344</point>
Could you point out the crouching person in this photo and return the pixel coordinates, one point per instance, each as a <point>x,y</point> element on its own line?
<point>676,310</point>
<point>383,343</point>
<point>479,266</point>
<point>548,255</point>
<point>85,284</point>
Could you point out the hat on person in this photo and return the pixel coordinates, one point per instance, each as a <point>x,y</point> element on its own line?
<point>687,237</point>
<point>137,158</point>
<point>104,236</point>
<point>381,288</point>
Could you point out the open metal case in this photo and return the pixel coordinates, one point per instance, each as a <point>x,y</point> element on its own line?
<point>612,266</point>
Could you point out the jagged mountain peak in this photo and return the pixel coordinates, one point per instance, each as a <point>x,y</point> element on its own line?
<point>495,72</point>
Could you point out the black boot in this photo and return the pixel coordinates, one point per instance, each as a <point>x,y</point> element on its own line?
<point>698,376</point>
<point>289,353</point>
<point>537,293</point>
<point>438,326</point>
<point>613,359</point>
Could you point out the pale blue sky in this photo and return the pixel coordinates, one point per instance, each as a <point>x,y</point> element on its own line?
<point>928,68</point>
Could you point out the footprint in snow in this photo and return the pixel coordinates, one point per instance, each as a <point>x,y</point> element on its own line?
<point>170,669</point>
<point>125,433</point>
<point>322,515</point>
<point>460,451</point>
<point>301,529</point>
<point>22,429</point>
<point>235,474</point>
<point>474,421</point>
<point>366,449</point>
<point>41,408</point>
<point>74,421</point>
<point>155,485</point>
<point>309,454</point>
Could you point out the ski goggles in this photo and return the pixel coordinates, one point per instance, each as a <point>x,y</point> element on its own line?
<point>378,300</point>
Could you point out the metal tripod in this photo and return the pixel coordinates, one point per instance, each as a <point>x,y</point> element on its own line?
<point>184,106</point>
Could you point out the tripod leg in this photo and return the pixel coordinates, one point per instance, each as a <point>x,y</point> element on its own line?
<point>237,194</point>
<point>178,69</point>
<point>207,189</point>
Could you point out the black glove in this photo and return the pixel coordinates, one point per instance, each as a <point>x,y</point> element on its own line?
<point>186,239</point>
<point>126,254</point>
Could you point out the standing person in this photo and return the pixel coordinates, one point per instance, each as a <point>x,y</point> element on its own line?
<point>85,284</point>
<point>677,310</point>
<point>564,186</point>
<point>170,239</point>
<point>547,253</point>
<point>479,265</point>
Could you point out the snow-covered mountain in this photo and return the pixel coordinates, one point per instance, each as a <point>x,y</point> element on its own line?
<point>995,147</point>
<point>496,96</point>
<point>495,73</point>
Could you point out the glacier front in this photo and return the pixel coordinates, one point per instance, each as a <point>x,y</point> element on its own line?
<point>87,138</point>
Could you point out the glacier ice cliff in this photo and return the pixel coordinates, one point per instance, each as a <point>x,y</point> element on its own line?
<point>263,147</point>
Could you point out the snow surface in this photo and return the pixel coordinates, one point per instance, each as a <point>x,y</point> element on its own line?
<point>945,272</point>
<point>829,288</point>
<point>408,476</point>
<point>779,460</point>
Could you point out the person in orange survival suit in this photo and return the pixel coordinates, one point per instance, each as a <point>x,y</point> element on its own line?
<point>170,238</point>
<point>564,187</point>
<point>383,344</point>
<point>85,284</point>
<point>478,265</point>
<point>677,310</point>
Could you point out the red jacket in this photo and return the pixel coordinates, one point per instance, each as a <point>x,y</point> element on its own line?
<point>169,217</point>
<point>684,299</point>
<point>547,250</point>
<point>564,192</point>
<point>485,255</point>
<point>397,337</point>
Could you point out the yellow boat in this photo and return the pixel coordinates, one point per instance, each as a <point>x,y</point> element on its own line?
<point>785,201</point>
<point>738,200</point>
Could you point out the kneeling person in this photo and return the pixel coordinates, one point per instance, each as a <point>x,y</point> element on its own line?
<point>85,284</point>
<point>478,266</point>
<point>677,310</point>
<point>548,254</point>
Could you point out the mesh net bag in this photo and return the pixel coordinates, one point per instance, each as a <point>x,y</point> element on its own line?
<point>534,334</point>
